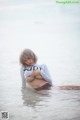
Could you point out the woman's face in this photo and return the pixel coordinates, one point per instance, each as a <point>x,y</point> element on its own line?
<point>29,62</point>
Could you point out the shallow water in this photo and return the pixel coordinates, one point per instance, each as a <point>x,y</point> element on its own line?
<point>53,32</point>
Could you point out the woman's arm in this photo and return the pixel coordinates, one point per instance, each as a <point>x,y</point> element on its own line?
<point>30,79</point>
<point>45,73</point>
<point>34,75</point>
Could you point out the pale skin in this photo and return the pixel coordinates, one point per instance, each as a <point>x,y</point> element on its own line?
<point>36,74</point>
<point>36,80</point>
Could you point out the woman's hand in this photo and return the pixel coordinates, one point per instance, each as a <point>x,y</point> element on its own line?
<point>36,73</point>
<point>39,77</point>
<point>30,78</point>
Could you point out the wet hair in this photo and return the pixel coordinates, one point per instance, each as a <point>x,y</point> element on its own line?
<point>27,54</point>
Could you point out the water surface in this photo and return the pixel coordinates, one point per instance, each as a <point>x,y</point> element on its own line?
<point>52,31</point>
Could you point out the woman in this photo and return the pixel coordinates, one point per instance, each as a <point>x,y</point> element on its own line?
<point>37,76</point>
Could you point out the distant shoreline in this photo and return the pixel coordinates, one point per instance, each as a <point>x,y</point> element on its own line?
<point>67,2</point>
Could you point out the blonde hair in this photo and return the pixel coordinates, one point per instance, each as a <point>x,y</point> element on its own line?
<point>26,54</point>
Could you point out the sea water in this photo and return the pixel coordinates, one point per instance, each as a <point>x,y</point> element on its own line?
<point>52,31</point>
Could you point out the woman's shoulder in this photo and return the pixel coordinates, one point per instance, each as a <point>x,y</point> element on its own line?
<point>40,65</point>
<point>23,68</point>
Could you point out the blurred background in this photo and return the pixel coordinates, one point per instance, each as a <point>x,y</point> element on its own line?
<point>51,30</point>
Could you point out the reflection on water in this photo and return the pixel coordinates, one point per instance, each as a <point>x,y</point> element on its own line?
<point>52,31</point>
<point>31,97</point>
<point>59,104</point>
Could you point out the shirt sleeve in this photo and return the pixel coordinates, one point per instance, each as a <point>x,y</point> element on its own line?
<point>45,73</point>
<point>27,73</point>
